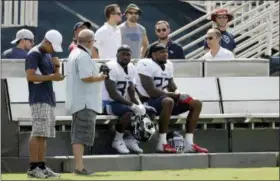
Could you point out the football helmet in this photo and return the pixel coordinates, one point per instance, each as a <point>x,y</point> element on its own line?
<point>176,141</point>
<point>142,128</point>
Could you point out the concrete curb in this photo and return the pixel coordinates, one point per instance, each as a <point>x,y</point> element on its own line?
<point>100,163</point>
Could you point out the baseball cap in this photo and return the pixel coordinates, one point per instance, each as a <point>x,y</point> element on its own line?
<point>55,38</point>
<point>124,48</point>
<point>133,6</point>
<point>81,23</point>
<point>23,34</point>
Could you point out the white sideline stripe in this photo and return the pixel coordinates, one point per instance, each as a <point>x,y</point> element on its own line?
<point>63,6</point>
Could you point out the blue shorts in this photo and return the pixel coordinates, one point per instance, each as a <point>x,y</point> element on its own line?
<point>157,104</point>
<point>115,108</point>
<point>118,109</point>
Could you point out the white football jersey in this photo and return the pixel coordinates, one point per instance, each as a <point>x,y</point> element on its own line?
<point>150,68</point>
<point>122,80</point>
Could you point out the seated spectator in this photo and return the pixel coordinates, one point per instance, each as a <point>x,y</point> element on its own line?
<point>77,28</point>
<point>213,39</point>
<point>221,17</point>
<point>162,30</point>
<point>24,41</point>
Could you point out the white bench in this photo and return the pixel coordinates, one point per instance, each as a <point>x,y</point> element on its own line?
<point>205,89</point>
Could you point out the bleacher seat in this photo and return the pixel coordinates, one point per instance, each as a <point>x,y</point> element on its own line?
<point>233,68</point>
<point>254,95</point>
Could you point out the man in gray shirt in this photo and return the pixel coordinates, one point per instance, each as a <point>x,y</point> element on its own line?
<point>134,34</point>
<point>83,96</point>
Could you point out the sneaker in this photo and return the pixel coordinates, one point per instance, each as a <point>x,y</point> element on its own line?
<point>119,145</point>
<point>50,173</point>
<point>84,171</point>
<point>165,148</point>
<point>194,149</point>
<point>132,144</point>
<point>36,173</point>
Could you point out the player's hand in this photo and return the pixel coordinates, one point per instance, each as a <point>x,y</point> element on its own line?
<point>56,61</point>
<point>184,98</point>
<point>57,77</point>
<point>138,109</point>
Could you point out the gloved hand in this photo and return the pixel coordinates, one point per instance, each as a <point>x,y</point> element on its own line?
<point>138,109</point>
<point>104,69</point>
<point>184,98</point>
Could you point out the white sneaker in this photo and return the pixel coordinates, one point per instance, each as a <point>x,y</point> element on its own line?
<point>50,173</point>
<point>36,173</point>
<point>119,145</point>
<point>132,144</point>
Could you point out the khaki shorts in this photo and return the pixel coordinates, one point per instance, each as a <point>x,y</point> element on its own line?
<point>43,123</point>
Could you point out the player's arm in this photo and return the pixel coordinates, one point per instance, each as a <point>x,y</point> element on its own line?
<point>148,84</point>
<point>131,92</point>
<point>113,93</point>
<point>171,87</point>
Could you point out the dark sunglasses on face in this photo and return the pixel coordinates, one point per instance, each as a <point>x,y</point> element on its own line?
<point>131,13</point>
<point>209,38</point>
<point>159,30</point>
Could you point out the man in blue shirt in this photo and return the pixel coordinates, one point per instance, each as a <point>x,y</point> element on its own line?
<point>162,30</point>
<point>41,70</point>
<point>24,42</point>
<point>222,17</point>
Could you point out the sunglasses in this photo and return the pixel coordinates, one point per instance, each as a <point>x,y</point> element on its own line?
<point>119,14</point>
<point>161,30</point>
<point>131,13</point>
<point>222,17</point>
<point>209,38</point>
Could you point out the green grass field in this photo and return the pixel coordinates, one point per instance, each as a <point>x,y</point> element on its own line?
<point>190,174</point>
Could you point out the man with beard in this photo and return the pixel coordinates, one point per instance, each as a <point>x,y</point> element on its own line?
<point>162,30</point>
<point>134,34</point>
<point>222,17</point>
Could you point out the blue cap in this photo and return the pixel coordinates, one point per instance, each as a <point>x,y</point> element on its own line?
<point>81,23</point>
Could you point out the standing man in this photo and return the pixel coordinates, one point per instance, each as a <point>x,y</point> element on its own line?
<point>155,76</point>
<point>221,17</point>
<point>77,28</point>
<point>24,41</point>
<point>134,34</point>
<point>213,39</point>
<point>162,30</point>
<point>41,70</point>
<point>83,97</point>
<point>108,37</point>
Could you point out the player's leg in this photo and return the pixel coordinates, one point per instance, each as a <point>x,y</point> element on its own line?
<point>164,107</point>
<point>119,143</point>
<point>194,107</point>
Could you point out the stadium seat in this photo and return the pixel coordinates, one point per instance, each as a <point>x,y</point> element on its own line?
<point>255,95</point>
<point>234,68</point>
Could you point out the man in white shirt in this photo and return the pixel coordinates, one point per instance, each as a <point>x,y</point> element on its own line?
<point>83,96</point>
<point>108,37</point>
<point>216,52</point>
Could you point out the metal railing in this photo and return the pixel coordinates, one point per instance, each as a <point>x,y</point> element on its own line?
<point>19,13</point>
<point>258,21</point>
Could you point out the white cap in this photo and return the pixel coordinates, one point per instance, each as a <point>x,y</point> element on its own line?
<point>23,34</point>
<point>55,38</point>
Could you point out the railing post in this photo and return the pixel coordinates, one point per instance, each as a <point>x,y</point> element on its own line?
<point>270,29</point>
